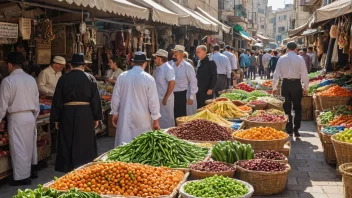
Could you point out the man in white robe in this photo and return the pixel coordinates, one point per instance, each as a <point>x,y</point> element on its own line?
<point>19,99</point>
<point>164,76</point>
<point>135,105</point>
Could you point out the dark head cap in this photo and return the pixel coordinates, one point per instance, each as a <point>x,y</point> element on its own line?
<point>15,58</point>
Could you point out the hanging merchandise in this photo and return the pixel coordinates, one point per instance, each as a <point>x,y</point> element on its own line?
<point>343,37</point>
<point>333,31</point>
<point>82,26</point>
<point>320,44</point>
<point>25,28</point>
<point>335,52</point>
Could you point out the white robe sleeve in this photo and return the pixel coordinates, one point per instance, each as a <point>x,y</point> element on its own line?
<point>115,101</point>
<point>153,101</point>
<point>5,93</point>
<point>193,82</point>
<point>37,111</point>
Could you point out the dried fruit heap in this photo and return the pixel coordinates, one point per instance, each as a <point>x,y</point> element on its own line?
<point>120,178</point>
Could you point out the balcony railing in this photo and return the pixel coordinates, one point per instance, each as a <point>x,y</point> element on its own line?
<point>240,11</point>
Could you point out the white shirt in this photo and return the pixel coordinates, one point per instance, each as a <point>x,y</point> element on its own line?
<point>313,57</point>
<point>291,66</point>
<point>163,75</point>
<point>223,65</point>
<point>114,74</point>
<point>265,59</point>
<point>185,76</point>
<point>232,58</point>
<point>135,101</point>
<point>18,93</point>
<point>47,81</point>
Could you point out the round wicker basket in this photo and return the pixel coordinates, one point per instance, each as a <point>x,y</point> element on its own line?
<point>260,145</point>
<point>327,102</point>
<point>281,126</point>
<point>346,172</point>
<point>259,106</point>
<point>343,151</point>
<point>264,183</point>
<point>196,174</point>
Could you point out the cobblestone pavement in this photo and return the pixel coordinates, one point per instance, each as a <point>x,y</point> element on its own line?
<point>310,177</point>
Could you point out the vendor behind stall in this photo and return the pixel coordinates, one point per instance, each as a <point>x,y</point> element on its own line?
<point>48,78</point>
<point>115,70</point>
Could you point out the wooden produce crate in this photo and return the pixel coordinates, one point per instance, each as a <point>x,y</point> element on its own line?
<point>307,114</point>
<point>43,152</point>
<point>5,164</point>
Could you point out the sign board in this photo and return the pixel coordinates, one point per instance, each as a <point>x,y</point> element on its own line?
<point>25,28</point>
<point>8,30</point>
<point>43,52</point>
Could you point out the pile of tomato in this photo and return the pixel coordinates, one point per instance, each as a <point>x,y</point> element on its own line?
<point>245,87</point>
<point>335,91</point>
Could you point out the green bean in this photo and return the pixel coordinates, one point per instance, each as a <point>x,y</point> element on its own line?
<point>158,148</point>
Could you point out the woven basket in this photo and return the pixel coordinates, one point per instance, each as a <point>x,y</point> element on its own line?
<point>272,106</point>
<point>307,102</point>
<point>326,137</point>
<point>327,102</point>
<point>260,145</point>
<point>346,172</point>
<point>343,151</point>
<point>280,126</point>
<point>264,183</point>
<point>195,174</point>
<point>259,106</point>
<point>317,102</point>
<point>179,121</point>
<point>329,153</point>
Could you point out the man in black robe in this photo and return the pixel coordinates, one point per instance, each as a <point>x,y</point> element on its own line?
<point>76,110</point>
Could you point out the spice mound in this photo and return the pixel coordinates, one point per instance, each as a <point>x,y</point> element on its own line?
<point>201,130</point>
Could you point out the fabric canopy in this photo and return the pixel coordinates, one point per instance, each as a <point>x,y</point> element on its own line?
<point>244,35</point>
<point>189,17</point>
<point>224,27</point>
<point>297,31</point>
<point>120,7</point>
<point>159,13</point>
<point>264,38</point>
<point>332,10</point>
<point>309,32</point>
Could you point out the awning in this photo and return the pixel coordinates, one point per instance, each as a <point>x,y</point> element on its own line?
<point>258,45</point>
<point>189,17</point>
<point>244,35</point>
<point>297,31</point>
<point>120,7</point>
<point>159,13</point>
<point>332,10</point>
<point>309,32</point>
<point>224,27</point>
<point>264,38</point>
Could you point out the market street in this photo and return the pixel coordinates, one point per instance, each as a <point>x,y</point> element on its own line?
<point>310,176</point>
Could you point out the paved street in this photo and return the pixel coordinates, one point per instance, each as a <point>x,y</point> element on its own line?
<point>310,176</point>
